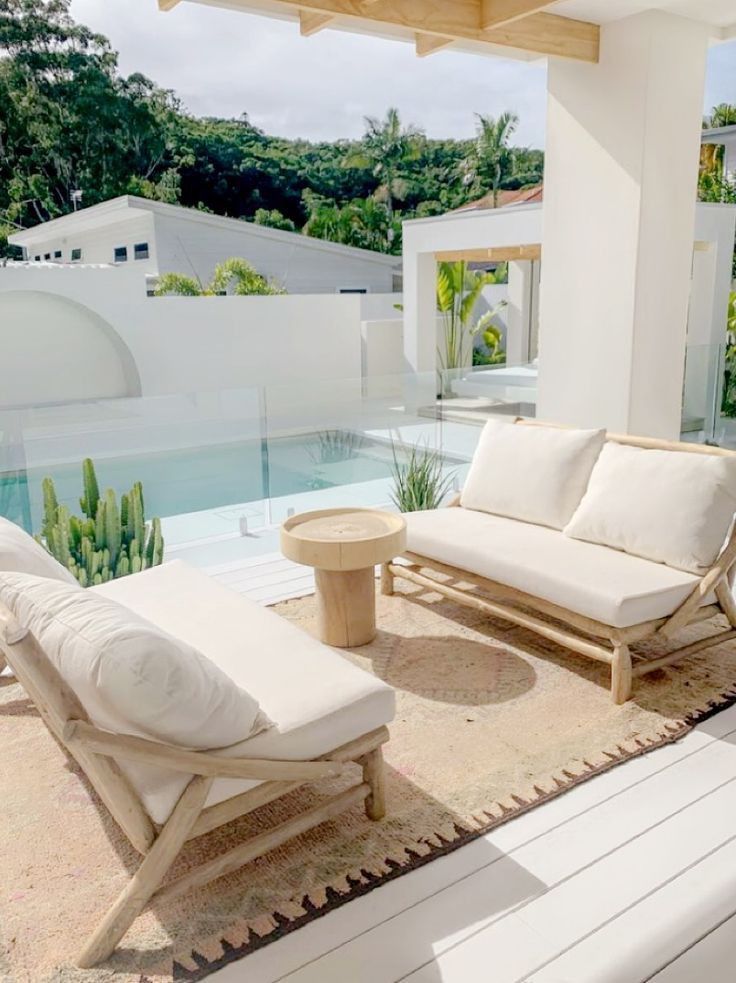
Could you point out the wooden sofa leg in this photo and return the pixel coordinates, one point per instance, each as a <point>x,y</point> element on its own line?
<point>621,673</point>
<point>148,877</point>
<point>374,775</point>
<point>387,580</point>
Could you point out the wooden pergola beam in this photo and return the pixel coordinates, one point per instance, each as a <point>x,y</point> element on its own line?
<point>166,5</point>
<point>499,13</point>
<point>493,254</point>
<point>459,20</point>
<point>427,44</point>
<point>310,23</point>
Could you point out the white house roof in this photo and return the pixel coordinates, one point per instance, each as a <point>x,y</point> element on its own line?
<point>719,134</point>
<point>131,207</point>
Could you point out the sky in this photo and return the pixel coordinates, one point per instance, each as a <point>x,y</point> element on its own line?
<point>224,63</point>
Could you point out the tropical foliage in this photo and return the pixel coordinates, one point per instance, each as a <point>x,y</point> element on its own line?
<point>492,158</point>
<point>458,291</point>
<point>728,402</point>
<point>233,276</point>
<point>69,121</point>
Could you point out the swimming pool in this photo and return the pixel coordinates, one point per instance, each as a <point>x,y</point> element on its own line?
<point>201,478</point>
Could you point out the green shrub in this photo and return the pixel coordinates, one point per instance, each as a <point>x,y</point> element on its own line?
<point>419,483</point>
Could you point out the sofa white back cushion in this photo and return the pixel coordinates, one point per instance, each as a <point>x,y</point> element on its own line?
<point>532,473</point>
<point>20,553</point>
<point>674,507</point>
<point>131,676</point>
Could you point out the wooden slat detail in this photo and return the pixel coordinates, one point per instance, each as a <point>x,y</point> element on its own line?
<point>542,33</point>
<point>498,13</point>
<point>494,254</point>
<point>310,23</point>
<point>427,44</point>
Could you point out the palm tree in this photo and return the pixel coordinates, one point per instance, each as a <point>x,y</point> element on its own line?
<point>385,148</point>
<point>234,275</point>
<point>492,158</point>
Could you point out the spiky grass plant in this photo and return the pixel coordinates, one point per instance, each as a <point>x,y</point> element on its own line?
<point>419,482</point>
<point>334,446</point>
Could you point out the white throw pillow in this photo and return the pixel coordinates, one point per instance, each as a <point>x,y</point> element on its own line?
<point>20,553</point>
<point>533,473</point>
<point>131,676</point>
<point>674,507</point>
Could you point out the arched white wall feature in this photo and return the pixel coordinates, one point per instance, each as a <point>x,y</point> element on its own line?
<point>56,350</point>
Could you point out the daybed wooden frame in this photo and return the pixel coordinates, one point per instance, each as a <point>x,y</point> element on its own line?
<point>574,631</point>
<point>96,752</point>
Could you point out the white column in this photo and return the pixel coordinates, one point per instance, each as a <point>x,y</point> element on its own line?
<point>623,143</point>
<point>420,311</point>
<point>519,312</point>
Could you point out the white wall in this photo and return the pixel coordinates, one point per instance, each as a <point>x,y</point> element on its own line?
<point>54,351</point>
<point>98,245</point>
<point>177,344</point>
<point>298,263</point>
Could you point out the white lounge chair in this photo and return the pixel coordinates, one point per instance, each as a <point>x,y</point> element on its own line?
<point>610,539</point>
<point>324,712</point>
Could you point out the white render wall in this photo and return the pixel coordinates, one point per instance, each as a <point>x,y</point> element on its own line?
<point>116,341</point>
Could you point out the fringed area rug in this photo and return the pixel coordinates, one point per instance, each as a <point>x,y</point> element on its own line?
<point>491,721</point>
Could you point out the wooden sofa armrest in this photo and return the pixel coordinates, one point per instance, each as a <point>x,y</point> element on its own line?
<point>83,735</point>
<point>709,582</point>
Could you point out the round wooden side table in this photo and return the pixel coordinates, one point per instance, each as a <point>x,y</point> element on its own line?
<point>344,546</point>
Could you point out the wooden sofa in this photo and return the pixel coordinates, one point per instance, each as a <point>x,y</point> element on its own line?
<point>431,561</point>
<point>327,715</point>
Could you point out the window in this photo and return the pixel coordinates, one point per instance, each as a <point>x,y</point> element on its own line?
<point>47,255</point>
<point>353,290</point>
<point>76,255</point>
<point>121,254</point>
<point>140,250</point>
<point>57,254</point>
<point>37,259</point>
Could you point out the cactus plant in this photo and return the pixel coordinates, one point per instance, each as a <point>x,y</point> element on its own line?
<point>107,541</point>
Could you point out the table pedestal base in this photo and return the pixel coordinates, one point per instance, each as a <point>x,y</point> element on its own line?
<point>346,606</point>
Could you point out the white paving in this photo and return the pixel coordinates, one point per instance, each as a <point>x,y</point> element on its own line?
<point>630,877</point>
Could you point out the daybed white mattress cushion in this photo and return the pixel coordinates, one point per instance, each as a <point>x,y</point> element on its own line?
<point>20,553</point>
<point>600,583</point>
<point>130,676</point>
<point>673,507</point>
<point>315,697</point>
<point>533,473</point>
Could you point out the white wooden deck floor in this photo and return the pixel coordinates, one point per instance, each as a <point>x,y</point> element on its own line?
<point>628,878</point>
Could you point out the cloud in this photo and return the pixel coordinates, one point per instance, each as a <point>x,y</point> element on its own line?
<point>224,63</point>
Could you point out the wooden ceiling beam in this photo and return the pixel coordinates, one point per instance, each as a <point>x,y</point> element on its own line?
<point>166,5</point>
<point>493,254</point>
<point>310,22</point>
<point>427,44</point>
<point>460,20</point>
<point>499,13</point>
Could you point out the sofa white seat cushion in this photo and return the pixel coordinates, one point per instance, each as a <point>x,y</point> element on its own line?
<point>20,553</point>
<point>316,699</point>
<point>600,583</point>
<point>532,473</point>
<point>131,676</point>
<point>674,507</point>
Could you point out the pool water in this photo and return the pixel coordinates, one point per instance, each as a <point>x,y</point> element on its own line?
<point>195,479</point>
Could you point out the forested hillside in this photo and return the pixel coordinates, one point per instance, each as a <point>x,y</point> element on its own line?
<point>70,122</point>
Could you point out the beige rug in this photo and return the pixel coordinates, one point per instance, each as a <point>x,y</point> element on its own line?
<point>491,721</point>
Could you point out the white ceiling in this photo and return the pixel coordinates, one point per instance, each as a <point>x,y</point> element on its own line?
<point>720,13</point>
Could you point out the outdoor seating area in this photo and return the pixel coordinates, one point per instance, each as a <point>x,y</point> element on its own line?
<point>189,708</point>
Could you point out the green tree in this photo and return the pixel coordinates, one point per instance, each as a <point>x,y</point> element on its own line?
<point>364,223</point>
<point>491,160</point>
<point>386,148</point>
<point>274,219</point>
